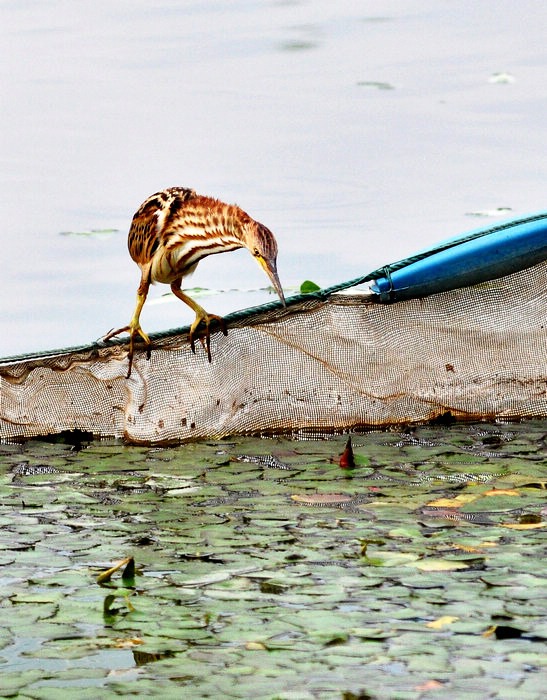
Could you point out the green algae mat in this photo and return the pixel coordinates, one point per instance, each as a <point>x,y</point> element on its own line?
<point>411,566</point>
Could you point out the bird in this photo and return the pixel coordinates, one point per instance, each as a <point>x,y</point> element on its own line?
<point>171,232</point>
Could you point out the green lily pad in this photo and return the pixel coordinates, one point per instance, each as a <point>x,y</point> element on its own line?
<point>239,590</point>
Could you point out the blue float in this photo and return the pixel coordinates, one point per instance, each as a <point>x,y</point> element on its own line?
<point>478,256</point>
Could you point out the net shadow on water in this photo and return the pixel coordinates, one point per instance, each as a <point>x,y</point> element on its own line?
<point>269,569</point>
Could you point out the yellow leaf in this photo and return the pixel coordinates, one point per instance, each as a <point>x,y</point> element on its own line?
<point>428,685</point>
<point>462,547</point>
<point>501,492</point>
<point>442,622</point>
<point>438,565</point>
<point>255,646</point>
<point>106,575</point>
<point>457,502</point>
<point>523,526</point>
<point>466,548</point>
<point>127,643</point>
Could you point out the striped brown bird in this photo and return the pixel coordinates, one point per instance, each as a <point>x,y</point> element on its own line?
<point>171,232</point>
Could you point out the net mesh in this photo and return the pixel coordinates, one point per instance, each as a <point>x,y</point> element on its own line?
<point>326,362</point>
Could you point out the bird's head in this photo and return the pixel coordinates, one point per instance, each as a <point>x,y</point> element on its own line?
<point>262,245</point>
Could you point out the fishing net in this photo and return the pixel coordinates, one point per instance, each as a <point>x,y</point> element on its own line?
<point>333,360</point>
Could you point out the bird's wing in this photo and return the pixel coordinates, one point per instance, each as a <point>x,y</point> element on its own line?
<point>151,219</point>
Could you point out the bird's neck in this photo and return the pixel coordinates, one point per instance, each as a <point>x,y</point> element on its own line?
<point>228,223</point>
<point>232,228</point>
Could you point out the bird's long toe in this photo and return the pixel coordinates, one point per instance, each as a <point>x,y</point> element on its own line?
<point>205,339</point>
<point>112,333</point>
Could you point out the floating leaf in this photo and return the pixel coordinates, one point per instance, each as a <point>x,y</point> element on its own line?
<point>441,622</point>
<point>107,575</point>
<point>499,211</point>
<point>391,559</point>
<point>439,565</point>
<point>255,646</point>
<point>457,502</point>
<point>308,286</point>
<point>429,685</point>
<point>107,604</point>
<point>146,657</point>
<point>501,77</point>
<point>376,84</point>
<point>127,643</point>
<point>464,548</point>
<point>524,526</point>
<point>128,574</point>
<point>93,233</point>
<point>321,499</point>
<point>238,562</point>
<point>347,461</point>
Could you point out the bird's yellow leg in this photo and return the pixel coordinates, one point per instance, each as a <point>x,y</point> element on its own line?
<point>201,315</point>
<point>134,327</point>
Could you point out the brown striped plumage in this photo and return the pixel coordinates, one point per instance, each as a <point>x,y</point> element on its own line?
<point>170,233</point>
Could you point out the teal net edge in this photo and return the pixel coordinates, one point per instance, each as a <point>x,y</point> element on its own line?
<point>478,256</point>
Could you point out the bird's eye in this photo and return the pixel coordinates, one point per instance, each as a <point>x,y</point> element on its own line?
<point>256,252</point>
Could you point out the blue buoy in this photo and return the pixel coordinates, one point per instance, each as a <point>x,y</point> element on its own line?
<point>478,256</point>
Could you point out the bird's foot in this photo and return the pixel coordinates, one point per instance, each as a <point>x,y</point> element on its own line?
<point>134,328</point>
<point>112,333</point>
<point>205,341</point>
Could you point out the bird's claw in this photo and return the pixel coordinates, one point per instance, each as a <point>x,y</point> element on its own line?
<point>205,342</point>
<point>206,339</point>
<point>133,330</point>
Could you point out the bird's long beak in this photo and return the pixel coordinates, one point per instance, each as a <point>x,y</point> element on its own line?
<point>270,268</point>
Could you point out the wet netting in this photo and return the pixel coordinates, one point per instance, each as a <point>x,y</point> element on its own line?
<point>332,360</point>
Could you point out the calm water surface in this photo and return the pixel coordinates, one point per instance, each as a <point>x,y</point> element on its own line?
<point>358,131</point>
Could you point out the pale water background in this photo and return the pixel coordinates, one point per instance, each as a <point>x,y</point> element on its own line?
<point>358,132</point>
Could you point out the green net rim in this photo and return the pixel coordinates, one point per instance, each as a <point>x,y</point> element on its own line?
<point>320,295</point>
